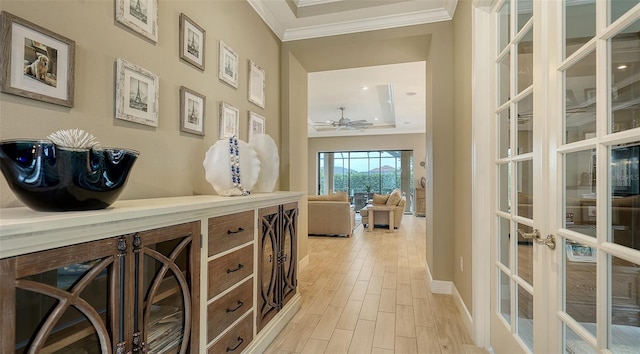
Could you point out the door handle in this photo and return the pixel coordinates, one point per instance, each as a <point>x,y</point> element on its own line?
<point>550,241</point>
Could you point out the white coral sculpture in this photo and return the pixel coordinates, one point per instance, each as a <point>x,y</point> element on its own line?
<point>74,138</point>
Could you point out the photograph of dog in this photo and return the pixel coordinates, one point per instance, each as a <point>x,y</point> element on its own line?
<point>39,62</point>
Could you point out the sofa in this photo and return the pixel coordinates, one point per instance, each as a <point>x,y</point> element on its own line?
<point>395,199</point>
<point>331,215</point>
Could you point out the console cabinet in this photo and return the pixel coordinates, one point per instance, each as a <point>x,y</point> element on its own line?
<point>127,279</point>
<point>132,293</point>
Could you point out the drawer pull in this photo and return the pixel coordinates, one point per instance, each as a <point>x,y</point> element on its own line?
<point>229,232</point>
<point>240,266</point>
<point>240,341</point>
<point>240,303</point>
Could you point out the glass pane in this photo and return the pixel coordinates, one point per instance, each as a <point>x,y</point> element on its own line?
<point>504,134</point>
<point>525,316</point>
<point>625,198</point>
<point>580,284</point>
<point>525,12</point>
<point>525,125</point>
<point>525,188</point>
<point>504,21</point>
<point>580,24</point>
<point>72,332</point>
<point>504,303</point>
<point>580,109</point>
<point>625,69</point>
<point>525,61</point>
<point>525,255</point>
<point>620,7</point>
<point>321,174</point>
<point>165,326</point>
<point>504,183</point>
<point>574,344</point>
<point>580,198</point>
<point>625,304</point>
<point>503,241</point>
<point>503,80</point>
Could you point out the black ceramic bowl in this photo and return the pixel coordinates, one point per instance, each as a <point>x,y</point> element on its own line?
<point>47,177</point>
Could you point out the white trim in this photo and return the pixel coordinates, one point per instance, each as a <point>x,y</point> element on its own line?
<point>439,286</point>
<point>303,263</point>
<point>481,174</point>
<point>465,315</point>
<point>268,17</point>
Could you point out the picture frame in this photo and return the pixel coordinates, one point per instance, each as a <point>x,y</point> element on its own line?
<point>137,94</point>
<point>580,253</point>
<point>140,16</point>
<point>192,111</point>
<point>192,42</point>
<point>36,63</point>
<point>229,120</point>
<point>256,125</point>
<point>228,65</point>
<point>590,94</point>
<point>256,84</point>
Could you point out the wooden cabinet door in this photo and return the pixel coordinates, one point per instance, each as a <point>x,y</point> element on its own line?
<point>65,299</point>
<point>289,257</point>
<point>269,228</point>
<point>167,291</point>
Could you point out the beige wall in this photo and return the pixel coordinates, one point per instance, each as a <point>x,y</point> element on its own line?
<point>170,162</point>
<point>462,81</point>
<point>415,142</point>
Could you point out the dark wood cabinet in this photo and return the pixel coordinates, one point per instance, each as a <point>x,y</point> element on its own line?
<point>127,294</point>
<point>277,259</point>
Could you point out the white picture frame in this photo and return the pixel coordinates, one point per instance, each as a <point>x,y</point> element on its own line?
<point>580,253</point>
<point>228,65</point>
<point>229,120</point>
<point>192,111</point>
<point>256,84</point>
<point>256,125</point>
<point>192,42</point>
<point>140,16</point>
<point>137,94</point>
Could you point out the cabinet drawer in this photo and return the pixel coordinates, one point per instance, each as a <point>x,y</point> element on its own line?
<point>229,269</point>
<point>226,310</point>
<point>237,339</point>
<point>228,231</point>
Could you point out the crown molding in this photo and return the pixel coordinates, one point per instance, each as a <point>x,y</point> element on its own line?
<point>354,26</point>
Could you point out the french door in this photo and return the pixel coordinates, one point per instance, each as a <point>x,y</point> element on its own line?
<point>565,260</point>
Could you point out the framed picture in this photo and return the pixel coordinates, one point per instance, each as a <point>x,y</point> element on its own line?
<point>256,125</point>
<point>590,94</point>
<point>229,120</point>
<point>256,84</point>
<point>192,111</point>
<point>580,253</point>
<point>192,40</point>
<point>228,66</point>
<point>35,62</point>
<point>141,16</point>
<point>137,94</point>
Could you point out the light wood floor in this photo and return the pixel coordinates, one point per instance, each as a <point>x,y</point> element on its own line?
<point>369,294</point>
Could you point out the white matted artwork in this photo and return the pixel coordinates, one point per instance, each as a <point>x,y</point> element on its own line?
<point>256,125</point>
<point>140,16</point>
<point>192,111</point>
<point>35,62</point>
<point>137,93</point>
<point>228,65</point>
<point>580,253</point>
<point>229,120</point>
<point>192,40</point>
<point>256,84</point>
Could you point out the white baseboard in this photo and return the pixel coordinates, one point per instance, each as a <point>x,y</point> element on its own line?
<point>303,263</point>
<point>448,288</point>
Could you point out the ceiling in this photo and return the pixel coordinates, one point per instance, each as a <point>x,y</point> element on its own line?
<point>394,99</point>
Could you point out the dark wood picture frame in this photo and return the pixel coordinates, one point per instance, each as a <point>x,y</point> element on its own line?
<point>192,111</point>
<point>49,74</point>
<point>192,42</point>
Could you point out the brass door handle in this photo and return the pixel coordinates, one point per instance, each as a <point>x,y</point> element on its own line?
<point>550,241</point>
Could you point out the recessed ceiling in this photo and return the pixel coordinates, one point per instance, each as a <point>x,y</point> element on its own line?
<point>302,19</point>
<point>391,97</point>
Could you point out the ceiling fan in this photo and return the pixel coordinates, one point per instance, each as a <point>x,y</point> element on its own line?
<point>346,123</point>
